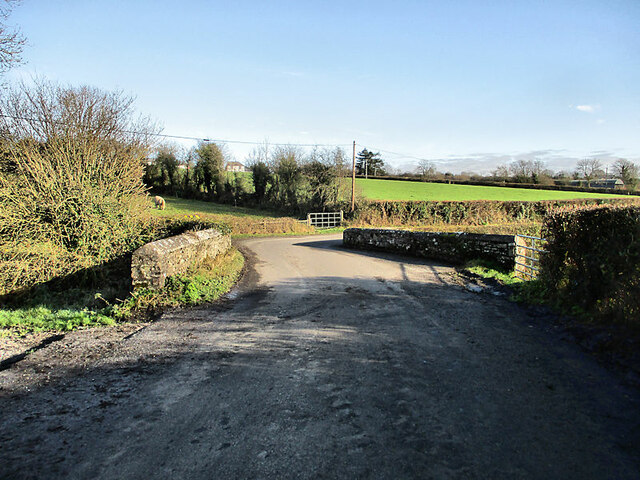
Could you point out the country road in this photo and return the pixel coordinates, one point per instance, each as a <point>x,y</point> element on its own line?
<point>324,363</point>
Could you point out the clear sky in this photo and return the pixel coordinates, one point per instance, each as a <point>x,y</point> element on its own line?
<point>468,84</point>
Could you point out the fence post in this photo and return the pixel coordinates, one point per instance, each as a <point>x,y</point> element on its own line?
<point>341,217</point>
<point>309,219</point>
<point>520,242</point>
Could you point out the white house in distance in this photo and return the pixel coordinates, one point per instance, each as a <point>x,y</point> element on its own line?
<point>235,167</point>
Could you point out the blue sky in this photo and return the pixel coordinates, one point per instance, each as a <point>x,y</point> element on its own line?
<point>467,84</point>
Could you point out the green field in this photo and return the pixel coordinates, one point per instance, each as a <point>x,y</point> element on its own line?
<point>177,207</point>
<point>404,190</point>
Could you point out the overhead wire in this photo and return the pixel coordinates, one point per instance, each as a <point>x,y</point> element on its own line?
<point>241,142</point>
<point>202,139</point>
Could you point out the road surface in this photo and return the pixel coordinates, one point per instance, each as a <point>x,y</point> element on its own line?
<point>326,363</point>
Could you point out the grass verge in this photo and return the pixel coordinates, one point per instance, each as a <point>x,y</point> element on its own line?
<point>202,283</point>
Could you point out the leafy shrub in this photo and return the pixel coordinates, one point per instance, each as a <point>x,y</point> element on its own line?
<point>592,262</point>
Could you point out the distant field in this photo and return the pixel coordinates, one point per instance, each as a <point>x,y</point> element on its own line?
<point>403,190</point>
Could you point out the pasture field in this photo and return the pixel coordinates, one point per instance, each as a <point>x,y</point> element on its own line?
<point>374,189</point>
<point>178,207</point>
<point>243,221</point>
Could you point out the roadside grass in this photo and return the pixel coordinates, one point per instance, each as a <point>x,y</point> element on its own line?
<point>38,319</point>
<point>530,292</point>
<point>485,269</point>
<point>374,189</point>
<point>202,283</point>
<point>55,309</point>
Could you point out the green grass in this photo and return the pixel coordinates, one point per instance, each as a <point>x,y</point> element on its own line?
<point>486,270</point>
<point>242,221</point>
<point>38,319</point>
<point>178,207</point>
<point>55,312</point>
<point>405,191</point>
<point>202,283</point>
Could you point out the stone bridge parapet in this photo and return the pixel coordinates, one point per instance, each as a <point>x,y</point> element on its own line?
<point>152,263</point>
<point>455,248</point>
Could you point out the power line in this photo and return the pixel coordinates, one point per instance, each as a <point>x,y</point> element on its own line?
<point>236,142</point>
<point>198,139</point>
<point>403,155</point>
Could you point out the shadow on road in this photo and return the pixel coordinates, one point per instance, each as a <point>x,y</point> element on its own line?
<point>329,377</point>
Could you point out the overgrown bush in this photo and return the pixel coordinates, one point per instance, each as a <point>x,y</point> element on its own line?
<point>71,190</point>
<point>592,262</point>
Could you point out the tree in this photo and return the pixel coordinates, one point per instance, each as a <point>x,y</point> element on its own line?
<point>323,171</point>
<point>210,159</point>
<point>167,163</point>
<point>427,169</point>
<point>520,170</point>
<point>588,168</point>
<point>369,163</point>
<point>627,171</point>
<point>261,177</point>
<point>501,172</point>
<point>11,41</point>
<point>286,188</point>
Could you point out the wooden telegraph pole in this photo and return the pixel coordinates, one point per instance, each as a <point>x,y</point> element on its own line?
<point>353,179</point>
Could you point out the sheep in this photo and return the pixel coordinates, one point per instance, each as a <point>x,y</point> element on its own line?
<point>159,201</point>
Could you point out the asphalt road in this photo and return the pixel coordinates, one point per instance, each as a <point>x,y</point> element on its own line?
<point>326,363</point>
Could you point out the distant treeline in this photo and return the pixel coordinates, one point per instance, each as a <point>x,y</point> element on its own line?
<point>282,178</point>
<point>535,172</point>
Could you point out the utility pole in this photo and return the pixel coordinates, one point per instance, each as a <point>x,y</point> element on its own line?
<point>353,179</point>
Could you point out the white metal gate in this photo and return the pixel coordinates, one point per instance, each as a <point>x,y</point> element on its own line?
<point>528,250</point>
<point>325,219</point>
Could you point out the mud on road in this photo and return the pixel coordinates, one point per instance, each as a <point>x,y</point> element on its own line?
<point>325,363</point>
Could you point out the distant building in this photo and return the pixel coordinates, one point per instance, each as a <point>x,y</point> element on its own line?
<point>610,183</point>
<point>235,167</point>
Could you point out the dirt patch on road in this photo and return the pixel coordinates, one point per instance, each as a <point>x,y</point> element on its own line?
<point>37,359</point>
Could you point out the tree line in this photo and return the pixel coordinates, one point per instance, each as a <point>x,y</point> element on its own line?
<point>284,178</point>
<point>535,171</point>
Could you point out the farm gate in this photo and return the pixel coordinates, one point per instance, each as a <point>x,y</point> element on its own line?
<point>325,219</point>
<point>528,250</point>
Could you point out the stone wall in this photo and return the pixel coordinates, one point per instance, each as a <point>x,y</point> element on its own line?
<point>455,248</point>
<point>152,263</point>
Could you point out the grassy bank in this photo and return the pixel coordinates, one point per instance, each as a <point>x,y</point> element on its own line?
<point>50,307</point>
<point>243,221</point>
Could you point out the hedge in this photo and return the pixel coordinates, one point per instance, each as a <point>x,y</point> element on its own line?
<point>469,212</point>
<point>592,261</point>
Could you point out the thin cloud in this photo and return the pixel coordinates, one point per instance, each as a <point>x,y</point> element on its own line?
<point>586,108</point>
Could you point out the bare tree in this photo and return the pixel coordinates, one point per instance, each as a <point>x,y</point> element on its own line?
<point>520,170</point>
<point>588,168</point>
<point>11,40</point>
<point>259,154</point>
<point>426,168</point>
<point>501,172</point>
<point>627,171</point>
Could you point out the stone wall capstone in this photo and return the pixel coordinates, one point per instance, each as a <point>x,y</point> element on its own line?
<point>455,248</point>
<point>152,263</point>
